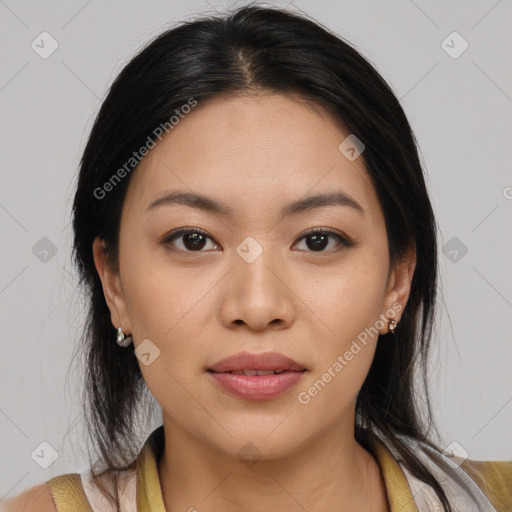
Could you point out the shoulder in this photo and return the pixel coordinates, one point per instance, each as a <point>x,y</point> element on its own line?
<point>35,499</point>
<point>494,478</point>
<point>62,493</point>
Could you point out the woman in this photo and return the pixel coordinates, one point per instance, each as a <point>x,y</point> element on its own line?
<point>253,227</point>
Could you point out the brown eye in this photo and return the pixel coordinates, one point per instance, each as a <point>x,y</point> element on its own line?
<point>191,240</point>
<point>318,239</point>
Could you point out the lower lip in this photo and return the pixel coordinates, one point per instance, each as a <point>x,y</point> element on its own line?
<point>257,387</point>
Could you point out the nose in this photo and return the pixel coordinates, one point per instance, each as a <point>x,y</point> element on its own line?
<point>257,294</point>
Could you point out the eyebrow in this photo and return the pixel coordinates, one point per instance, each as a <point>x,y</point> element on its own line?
<point>211,205</point>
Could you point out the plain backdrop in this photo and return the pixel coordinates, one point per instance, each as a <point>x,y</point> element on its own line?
<point>459,103</point>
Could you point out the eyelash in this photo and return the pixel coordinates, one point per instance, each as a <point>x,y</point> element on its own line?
<point>344,241</point>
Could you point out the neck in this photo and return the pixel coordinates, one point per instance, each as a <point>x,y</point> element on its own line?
<point>333,472</point>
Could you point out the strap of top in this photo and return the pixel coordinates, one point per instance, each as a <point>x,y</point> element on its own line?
<point>149,492</point>
<point>138,488</point>
<point>75,492</point>
<point>462,491</point>
<point>495,480</point>
<point>397,486</point>
<point>471,485</point>
<point>68,493</point>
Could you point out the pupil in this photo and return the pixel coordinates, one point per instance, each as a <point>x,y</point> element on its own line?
<point>316,238</point>
<point>195,238</point>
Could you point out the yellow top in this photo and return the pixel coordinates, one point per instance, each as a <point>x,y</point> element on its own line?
<point>494,478</point>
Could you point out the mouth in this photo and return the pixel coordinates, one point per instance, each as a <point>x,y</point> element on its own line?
<point>257,376</point>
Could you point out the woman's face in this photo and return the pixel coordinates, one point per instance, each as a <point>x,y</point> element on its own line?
<point>250,280</point>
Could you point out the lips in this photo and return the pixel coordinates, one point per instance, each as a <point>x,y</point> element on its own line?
<point>257,376</point>
<point>248,363</point>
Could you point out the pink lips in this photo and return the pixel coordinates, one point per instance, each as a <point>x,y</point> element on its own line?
<point>257,387</point>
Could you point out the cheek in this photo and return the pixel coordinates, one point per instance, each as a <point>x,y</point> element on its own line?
<point>159,297</point>
<point>160,302</point>
<point>346,299</point>
<point>170,307</point>
<point>346,307</point>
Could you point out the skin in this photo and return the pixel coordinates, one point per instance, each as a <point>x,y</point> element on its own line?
<point>256,153</point>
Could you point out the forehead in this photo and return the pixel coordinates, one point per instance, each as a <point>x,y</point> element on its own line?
<point>253,151</point>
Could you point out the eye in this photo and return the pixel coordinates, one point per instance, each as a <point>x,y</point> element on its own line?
<point>319,239</point>
<point>195,239</point>
<point>192,239</point>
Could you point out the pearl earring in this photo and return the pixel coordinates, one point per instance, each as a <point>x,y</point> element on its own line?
<point>123,341</point>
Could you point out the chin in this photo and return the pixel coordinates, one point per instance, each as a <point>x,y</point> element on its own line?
<point>261,443</point>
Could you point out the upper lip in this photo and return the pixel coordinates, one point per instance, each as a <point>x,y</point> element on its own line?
<point>264,361</point>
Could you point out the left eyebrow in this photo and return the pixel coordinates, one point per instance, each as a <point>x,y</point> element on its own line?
<point>212,205</point>
<point>321,200</point>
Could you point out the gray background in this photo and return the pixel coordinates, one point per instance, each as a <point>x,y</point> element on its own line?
<point>459,109</point>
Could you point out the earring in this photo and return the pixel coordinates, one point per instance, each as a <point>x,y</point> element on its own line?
<point>123,341</point>
<point>392,325</point>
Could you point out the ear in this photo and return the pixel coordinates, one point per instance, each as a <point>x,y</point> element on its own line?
<point>112,289</point>
<point>399,287</point>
